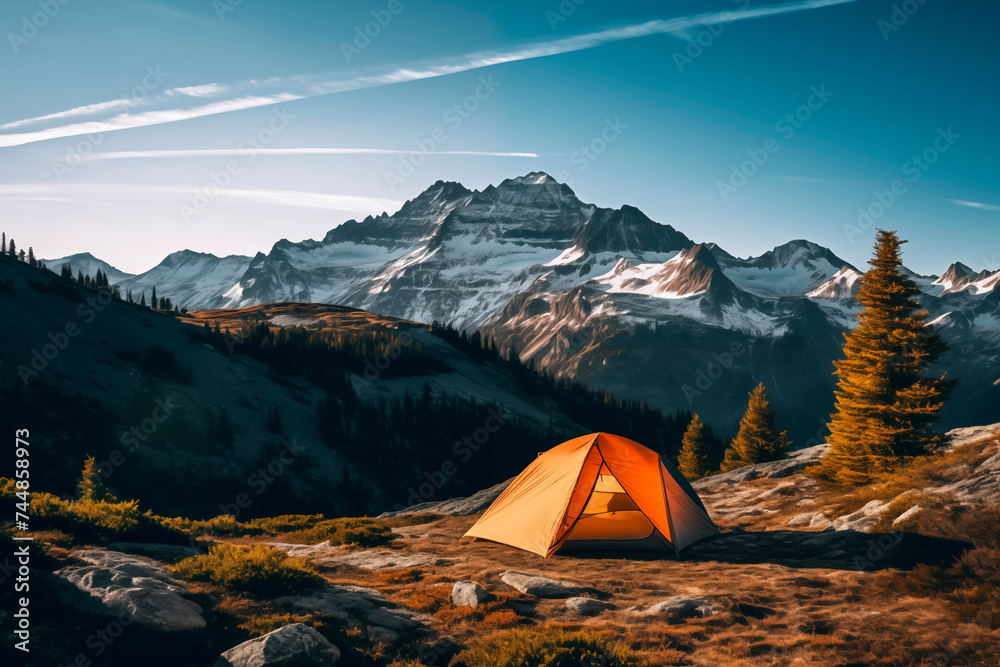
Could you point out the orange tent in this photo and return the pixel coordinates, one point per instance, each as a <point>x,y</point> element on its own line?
<point>598,490</point>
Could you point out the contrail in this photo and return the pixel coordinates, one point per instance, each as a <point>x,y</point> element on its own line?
<point>313,87</point>
<point>237,152</point>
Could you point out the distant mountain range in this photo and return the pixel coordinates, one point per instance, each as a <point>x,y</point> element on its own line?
<point>606,296</point>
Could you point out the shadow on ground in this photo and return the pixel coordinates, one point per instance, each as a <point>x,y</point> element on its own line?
<point>837,550</point>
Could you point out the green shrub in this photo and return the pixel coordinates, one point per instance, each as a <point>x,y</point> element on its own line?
<point>545,647</point>
<point>223,525</point>
<point>357,532</point>
<point>94,520</point>
<point>259,570</point>
<point>261,625</point>
<point>285,523</point>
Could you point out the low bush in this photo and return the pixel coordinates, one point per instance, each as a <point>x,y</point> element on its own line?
<point>223,525</point>
<point>260,571</point>
<point>94,520</point>
<point>546,647</point>
<point>357,532</point>
<point>292,528</point>
<point>273,525</point>
<point>261,625</point>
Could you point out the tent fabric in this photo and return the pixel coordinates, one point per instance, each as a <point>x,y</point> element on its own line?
<point>600,490</point>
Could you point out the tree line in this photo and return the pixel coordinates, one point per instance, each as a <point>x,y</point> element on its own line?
<point>885,403</point>
<point>98,281</point>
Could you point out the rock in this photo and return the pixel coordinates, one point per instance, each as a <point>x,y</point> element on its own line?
<point>680,608</point>
<point>384,635</point>
<point>541,587</point>
<point>587,606</point>
<point>778,491</point>
<point>355,606</point>
<point>862,519</point>
<point>810,519</point>
<point>468,594</point>
<point>963,436</point>
<point>134,587</point>
<point>162,552</point>
<point>291,646</point>
<point>796,462</point>
<point>366,559</point>
<point>456,506</point>
<point>908,514</point>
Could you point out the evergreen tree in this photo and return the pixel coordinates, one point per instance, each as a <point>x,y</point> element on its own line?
<point>693,461</point>
<point>885,406</point>
<point>31,256</point>
<point>758,439</point>
<point>142,299</point>
<point>153,302</point>
<point>12,252</point>
<point>91,484</point>
<point>79,277</point>
<point>20,255</point>
<point>3,248</point>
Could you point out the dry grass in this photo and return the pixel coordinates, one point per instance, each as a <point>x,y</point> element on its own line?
<point>772,614</point>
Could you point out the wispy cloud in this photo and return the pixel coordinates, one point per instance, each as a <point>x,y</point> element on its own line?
<point>85,110</point>
<point>206,90</point>
<point>126,121</point>
<point>298,87</point>
<point>101,193</point>
<point>237,152</point>
<point>975,204</point>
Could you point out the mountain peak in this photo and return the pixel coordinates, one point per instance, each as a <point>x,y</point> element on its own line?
<point>628,230</point>
<point>531,178</point>
<point>796,253</point>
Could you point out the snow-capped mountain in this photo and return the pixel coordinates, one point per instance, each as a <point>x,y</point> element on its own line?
<point>192,280</point>
<point>607,296</point>
<point>84,262</point>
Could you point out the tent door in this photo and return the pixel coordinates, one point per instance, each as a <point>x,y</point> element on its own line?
<point>611,518</point>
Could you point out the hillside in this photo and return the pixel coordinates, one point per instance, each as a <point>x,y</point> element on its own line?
<point>344,416</point>
<point>911,579</point>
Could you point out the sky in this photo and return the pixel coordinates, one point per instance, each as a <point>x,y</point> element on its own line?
<point>132,129</point>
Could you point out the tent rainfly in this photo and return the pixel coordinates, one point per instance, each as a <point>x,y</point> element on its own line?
<point>596,491</point>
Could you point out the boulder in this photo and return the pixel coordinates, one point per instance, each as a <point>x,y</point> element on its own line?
<point>963,436</point>
<point>295,645</point>
<point>908,514</point>
<point>794,463</point>
<point>357,607</point>
<point>367,559</point>
<point>587,606</point>
<point>456,506</point>
<point>678,609</point>
<point>468,594</point>
<point>542,587</point>
<point>863,519</point>
<point>810,519</point>
<point>133,587</point>
<point>170,553</point>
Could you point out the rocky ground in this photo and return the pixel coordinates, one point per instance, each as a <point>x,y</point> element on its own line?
<point>799,576</point>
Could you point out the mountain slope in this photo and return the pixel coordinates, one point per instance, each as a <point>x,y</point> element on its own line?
<point>84,262</point>
<point>168,406</point>
<point>607,296</point>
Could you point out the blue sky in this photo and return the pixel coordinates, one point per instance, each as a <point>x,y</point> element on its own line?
<point>118,119</point>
